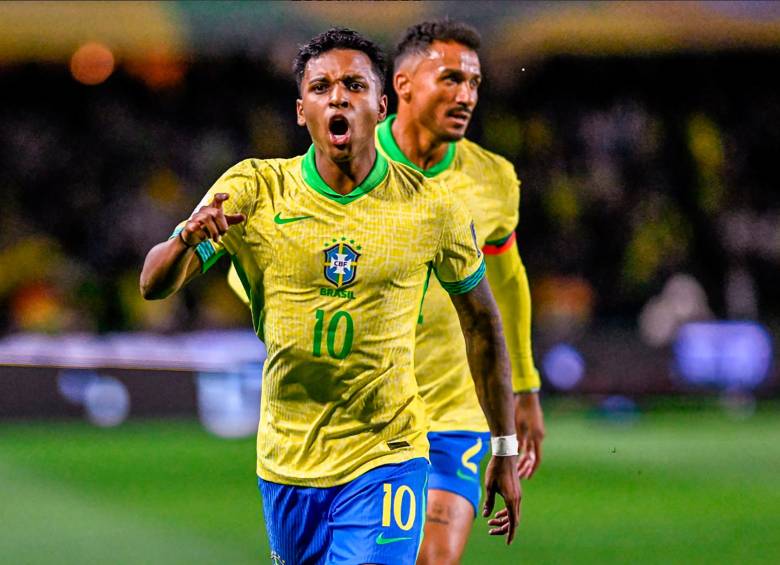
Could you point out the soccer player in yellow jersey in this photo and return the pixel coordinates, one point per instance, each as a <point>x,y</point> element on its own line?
<point>437,77</point>
<point>334,249</point>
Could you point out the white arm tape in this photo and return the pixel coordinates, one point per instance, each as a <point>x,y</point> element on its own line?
<point>504,446</point>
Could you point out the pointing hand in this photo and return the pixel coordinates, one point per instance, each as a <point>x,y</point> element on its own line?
<point>209,222</point>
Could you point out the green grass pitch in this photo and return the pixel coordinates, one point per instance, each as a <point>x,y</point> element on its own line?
<point>675,487</point>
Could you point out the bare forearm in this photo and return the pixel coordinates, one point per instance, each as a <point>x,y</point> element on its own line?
<point>166,268</point>
<point>488,359</point>
<point>489,366</point>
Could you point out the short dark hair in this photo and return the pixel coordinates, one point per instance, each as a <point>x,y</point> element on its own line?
<point>340,38</point>
<point>418,38</point>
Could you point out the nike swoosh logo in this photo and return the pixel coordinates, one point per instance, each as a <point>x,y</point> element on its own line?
<point>281,221</point>
<point>464,476</point>
<point>381,540</point>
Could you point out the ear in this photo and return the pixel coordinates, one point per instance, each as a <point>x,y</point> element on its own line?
<point>402,84</point>
<point>382,114</point>
<point>301,119</point>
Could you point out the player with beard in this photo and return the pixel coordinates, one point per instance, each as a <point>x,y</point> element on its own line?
<point>334,249</point>
<point>437,77</point>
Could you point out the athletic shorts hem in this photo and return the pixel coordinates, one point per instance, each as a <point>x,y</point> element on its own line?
<point>444,487</point>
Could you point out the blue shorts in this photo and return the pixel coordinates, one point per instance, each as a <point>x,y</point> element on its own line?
<point>455,463</point>
<point>376,518</point>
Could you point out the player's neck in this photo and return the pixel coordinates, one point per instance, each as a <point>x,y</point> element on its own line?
<point>344,177</point>
<point>418,144</point>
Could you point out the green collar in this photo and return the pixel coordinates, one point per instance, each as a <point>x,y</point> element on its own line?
<point>388,144</point>
<point>312,177</point>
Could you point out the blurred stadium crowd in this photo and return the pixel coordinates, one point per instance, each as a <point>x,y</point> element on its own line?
<point>649,186</point>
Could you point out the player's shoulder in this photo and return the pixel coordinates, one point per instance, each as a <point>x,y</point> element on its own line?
<point>471,155</point>
<point>403,174</point>
<point>253,181</point>
<point>261,169</point>
<point>412,183</point>
<point>428,198</point>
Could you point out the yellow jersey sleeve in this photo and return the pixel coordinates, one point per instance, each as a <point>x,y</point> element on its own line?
<point>458,264</point>
<point>509,213</point>
<point>240,183</point>
<point>509,283</point>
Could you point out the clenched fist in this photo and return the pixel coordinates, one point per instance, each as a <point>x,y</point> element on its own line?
<point>209,222</point>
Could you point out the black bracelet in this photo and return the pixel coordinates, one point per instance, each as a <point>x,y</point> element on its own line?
<point>184,241</point>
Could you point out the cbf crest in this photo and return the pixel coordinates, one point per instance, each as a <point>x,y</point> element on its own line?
<point>341,262</point>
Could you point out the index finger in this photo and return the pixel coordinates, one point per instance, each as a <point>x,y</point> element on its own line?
<point>218,199</point>
<point>538,452</point>
<point>513,508</point>
<point>490,499</point>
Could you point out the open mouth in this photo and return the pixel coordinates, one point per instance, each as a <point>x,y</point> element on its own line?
<point>338,128</point>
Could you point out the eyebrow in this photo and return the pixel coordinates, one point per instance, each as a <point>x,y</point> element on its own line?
<point>347,77</point>
<point>459,71</point>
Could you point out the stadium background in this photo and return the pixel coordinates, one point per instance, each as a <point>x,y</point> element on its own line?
<point>646,138</point>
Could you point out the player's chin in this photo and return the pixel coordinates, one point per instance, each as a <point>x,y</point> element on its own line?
<point>340,153</point>
<point>454,133</point>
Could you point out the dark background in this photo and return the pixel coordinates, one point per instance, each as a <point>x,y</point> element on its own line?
<point>646,152</point>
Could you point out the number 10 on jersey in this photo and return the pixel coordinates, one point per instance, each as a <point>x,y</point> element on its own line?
<point>332,327</point>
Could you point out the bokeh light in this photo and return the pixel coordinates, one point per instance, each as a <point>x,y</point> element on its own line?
<point>106,402</point>
<point>92,63</point>
<point>682,300</point>
<point>229,403</point>
<point>159,70</point>
<point>563,367</point>
<point>618,409</point>
<point>105,399</point>
<point>72,384</point>
<point>727,355</point>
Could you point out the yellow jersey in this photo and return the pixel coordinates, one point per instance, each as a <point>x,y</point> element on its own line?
<point>489,188</point>
<point>335,284</point>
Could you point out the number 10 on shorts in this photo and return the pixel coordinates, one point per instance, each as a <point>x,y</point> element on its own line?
<point>395,502</point>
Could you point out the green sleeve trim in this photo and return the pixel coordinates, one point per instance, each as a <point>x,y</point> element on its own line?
<point>467,284</point>
<point>208,255</point>
<point>501,241</point>
<point>204,250</point>
<point>312,178</point>
<point>386,141</point>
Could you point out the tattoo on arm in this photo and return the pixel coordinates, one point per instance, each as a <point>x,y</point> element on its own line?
<point>487,355</point>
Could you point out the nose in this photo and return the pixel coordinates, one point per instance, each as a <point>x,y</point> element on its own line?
<point>466,95</point>
<point>338,96</point>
